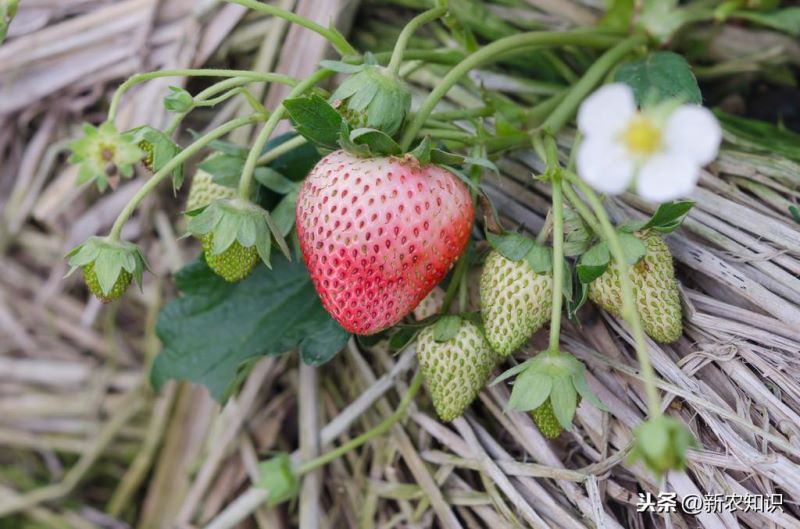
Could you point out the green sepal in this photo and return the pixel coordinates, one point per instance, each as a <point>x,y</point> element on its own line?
<point>446,328</point>
<point>159,149</point>
<point>278,478</point>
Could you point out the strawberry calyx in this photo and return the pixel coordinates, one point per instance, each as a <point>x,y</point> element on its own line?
<point>228,223</point>
<point>158,150</point>
<point>555,377</point>
<point>103,154</point>
<point>108,266</point>
<point>374,98</point>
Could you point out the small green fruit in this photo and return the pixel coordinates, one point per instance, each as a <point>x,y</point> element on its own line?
<point>654,288</point>
<point>515,302</point>
<point>546,421</point>
<point>233,264</point>
<point>455,370</point>
<point>93,283</point>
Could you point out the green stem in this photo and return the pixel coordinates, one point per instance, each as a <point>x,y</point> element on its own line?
<point>492,52</point>
<point>175,162</point>
<point>269,126</point>
<point>456,279</point>
<point>629,311</point>
<point>579,206</point>
<point>192,72</point>
<point>281,149</point>
<point>336,39</point>
<point>567,107</point>
<point>413,25</point>
<point>551,157</point>
<point>204,96</point>
<point>382,428</point>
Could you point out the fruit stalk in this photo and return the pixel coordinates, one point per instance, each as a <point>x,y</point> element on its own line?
<point>408,31</point>
<point>382,428</point>
<point>165,171</point>
<point>204,98</point>
<point>558,246</point>
<point>629,311</point>
<point>143,77</point>
<point>269,126</point>
<point>336,39</point>
<point>495,50</point>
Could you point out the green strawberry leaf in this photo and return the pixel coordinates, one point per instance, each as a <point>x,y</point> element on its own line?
<point>593,263</point>
<point>566,288</point>
<point>316,120</point>
<point>215,326</point>
<point>632,248</point>
<point>512,246</point>
<point>660,76</point>
<point>446,328</point>
<point>668,216</point>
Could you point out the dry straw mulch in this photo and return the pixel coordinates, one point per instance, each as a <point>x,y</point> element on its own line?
<point>85,444</point>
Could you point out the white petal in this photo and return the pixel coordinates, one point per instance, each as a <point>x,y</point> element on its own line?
<point>604,165</point>
<point>694,132</point>
<point>607,111</point>
<point>667,177</point>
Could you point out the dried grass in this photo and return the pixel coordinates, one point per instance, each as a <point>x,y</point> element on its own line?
<point>85,444</point>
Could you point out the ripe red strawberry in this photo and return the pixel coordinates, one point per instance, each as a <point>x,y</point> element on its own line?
<point>377,234</point>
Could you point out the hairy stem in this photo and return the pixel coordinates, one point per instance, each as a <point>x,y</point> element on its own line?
<point>192,72</point>
<point>493,51</point>
<point>336,39</point>
<point>266,132</point>
<point>382,428</point>
<point>402,40</point>
<point>629,311</point>
<point>175,162</point>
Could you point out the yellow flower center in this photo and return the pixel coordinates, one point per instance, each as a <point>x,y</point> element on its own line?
<point>642,136</point>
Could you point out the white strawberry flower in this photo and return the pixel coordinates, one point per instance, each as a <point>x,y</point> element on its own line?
<point>657,150</point>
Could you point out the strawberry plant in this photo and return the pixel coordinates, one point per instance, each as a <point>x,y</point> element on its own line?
<point>371,203</point>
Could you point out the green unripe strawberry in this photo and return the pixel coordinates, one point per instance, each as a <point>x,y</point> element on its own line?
<point>93,283</point>
<point>204,191</point>
<point>655,291</point>
<point>148,150</point>
<point>455,370</point>
<point>234,263</point>
<point>546,421</point>
<point>515,301</point>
